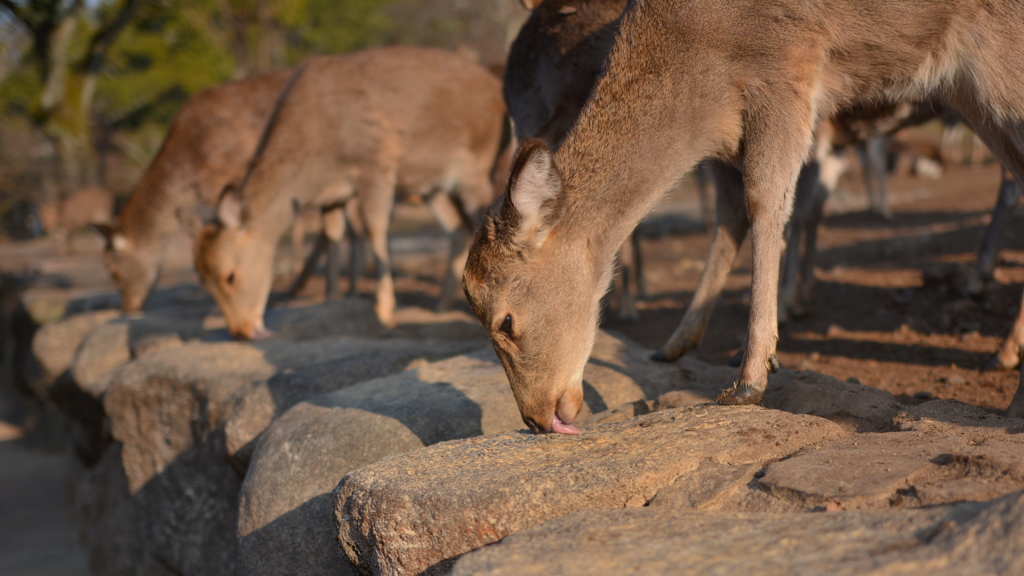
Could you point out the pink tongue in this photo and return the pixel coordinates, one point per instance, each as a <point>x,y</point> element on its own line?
<point>562,428</point>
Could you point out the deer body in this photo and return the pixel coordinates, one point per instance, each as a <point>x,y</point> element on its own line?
<point>745,83</point>
<point>357,127</point>
<point>210,140</point>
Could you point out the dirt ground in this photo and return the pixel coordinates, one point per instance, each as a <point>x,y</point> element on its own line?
<point>888,308</point>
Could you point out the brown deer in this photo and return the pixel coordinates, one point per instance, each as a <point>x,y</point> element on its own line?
<point>208,145</point>
<point>743,82</point>
<point>362,126</point>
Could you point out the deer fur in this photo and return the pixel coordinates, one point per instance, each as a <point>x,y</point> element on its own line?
<point>360,126</point>
<point>742,82</point>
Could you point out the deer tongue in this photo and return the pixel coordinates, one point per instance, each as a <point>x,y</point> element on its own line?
<point>561,427</point>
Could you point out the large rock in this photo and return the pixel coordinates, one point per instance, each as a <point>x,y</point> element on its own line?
<point>417,512</point>
<point>285,507</point>
<point>169,411</point>
<point>969,538</point>
<point>55,344</point>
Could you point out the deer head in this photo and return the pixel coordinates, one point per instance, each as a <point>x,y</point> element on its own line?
<point>234,265</point>
<point>133,269</point>
<point>536,288</point>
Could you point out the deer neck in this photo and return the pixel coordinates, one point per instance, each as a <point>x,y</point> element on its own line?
<point>150,217</point>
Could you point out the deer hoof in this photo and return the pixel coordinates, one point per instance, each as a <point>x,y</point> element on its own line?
<point>739,395</point>
<point>661,356</point>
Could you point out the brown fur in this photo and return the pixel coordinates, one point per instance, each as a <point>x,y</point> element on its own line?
<point>743,82</point>
<point>208,146</point>
<point>360,126</point>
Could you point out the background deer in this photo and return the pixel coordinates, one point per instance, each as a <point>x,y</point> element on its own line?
<point>210,140</point>
<point>362,126</point>
<point>746,84</point>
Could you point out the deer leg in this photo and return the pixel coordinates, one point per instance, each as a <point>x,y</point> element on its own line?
<point>1005,138</point>
<point>1009,197</point>
<point>298,243</point>
<point>807,279</point>
<point>1009,353</point>
<point>638,265</point>
<point>803,213</point>
<point>730,229</point>
<point>876,151</point>
<point>453,222</point>
<point>334,231</point>
<point>357,245</point>
<point>309,267</point>
<point>704,179</point>
<point>628,271</point>
<point>1016,409</point>
<point>779,135</point>
<point>376,200</point>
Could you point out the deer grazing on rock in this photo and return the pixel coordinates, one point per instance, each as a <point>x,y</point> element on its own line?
<point>742,82</point>
<point>210,140</point>
<point>363,126</point>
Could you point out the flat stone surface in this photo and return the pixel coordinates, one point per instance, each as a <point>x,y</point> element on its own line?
<point>417,512</point>
<point>969,538</point>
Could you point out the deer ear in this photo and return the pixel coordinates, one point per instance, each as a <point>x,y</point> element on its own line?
<point>231,208</point>
<point>531,4</point>
<point>534,191</point>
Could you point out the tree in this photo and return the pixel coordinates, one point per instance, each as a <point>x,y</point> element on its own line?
<point>68,53</point>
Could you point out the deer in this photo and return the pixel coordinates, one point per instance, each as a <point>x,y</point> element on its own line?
<point>368,126</point>
<point>208,145</point>
<point>744,83</point>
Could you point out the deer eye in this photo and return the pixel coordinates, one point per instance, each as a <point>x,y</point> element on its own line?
<point>506,326</point>
<point>230,279</point>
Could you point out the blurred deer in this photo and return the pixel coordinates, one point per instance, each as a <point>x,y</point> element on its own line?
<point>366,126</point>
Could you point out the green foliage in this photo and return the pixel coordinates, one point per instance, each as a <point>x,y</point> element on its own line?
<point>332,27</point>
<point>169,52</point>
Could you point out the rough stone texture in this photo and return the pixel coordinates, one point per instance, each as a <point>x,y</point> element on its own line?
<point>168,412</point>
<point>110,345</point>
<point>898,469</point>
<point>419,511</point>
<point>967,538</point>
<point>285,506</point>
<point>54,346</point>
<point>258,404</point>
